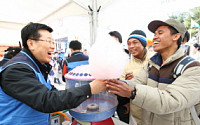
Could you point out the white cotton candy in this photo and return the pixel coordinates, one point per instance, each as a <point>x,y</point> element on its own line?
<point>107,58</point>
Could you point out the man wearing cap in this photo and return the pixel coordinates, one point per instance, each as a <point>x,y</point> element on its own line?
<point>139,57</point>
<point>164,100</point>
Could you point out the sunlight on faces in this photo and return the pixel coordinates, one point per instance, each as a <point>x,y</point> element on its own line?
<point>42,50</point>
<point>107,58</point>
<point>135,47</point>
<point>162,39</point>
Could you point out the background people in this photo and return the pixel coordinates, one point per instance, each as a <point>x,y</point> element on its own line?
<point>77,58</point>
<point>26,95</point>
<point>118,37</point>
<point>10,52</point>
<point>196,52</point>
<point>55,68</point>
<point>184,41</point>
<point>165,100</point>
<point>85,52</point>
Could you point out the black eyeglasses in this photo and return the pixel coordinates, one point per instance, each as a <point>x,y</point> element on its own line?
<point>47,40</point>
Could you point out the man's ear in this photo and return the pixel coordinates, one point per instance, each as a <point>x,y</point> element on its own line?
<point>30,44</point>
<point>177,36</point>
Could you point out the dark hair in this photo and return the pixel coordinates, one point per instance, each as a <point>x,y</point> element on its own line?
<point>196,45</point>
<point>116,34</point>
<point>30,31</point>
<point>187,36</point>
<point>75,45</point>
<point>174,31</point>
<point>11,52</point>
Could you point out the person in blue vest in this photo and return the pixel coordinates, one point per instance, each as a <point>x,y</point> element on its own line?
<point>26,96</point>
<point>77,58</point>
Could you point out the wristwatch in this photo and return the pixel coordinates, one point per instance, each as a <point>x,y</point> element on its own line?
<point>133,93</point>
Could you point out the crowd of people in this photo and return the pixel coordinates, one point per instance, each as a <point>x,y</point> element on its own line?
<point>162,98</point>
<point>148,92</point>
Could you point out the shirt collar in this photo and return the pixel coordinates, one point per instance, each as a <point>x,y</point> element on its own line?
<point>44,68</point>
<point>157,58</point>
<point>74,53</point>
<point>140,60</point>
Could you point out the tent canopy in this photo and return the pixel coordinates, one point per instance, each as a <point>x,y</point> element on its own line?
<point>14,14</point>
<point>121,15</point>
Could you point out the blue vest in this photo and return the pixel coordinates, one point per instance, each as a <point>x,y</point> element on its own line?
<point>74,64</point>
<point>4,60</point>
<point>15,112</point>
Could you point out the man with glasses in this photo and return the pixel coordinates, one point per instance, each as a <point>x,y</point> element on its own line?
<point>26,96</point>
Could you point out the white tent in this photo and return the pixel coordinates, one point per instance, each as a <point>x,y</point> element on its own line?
<point>14,14</point>
<point>126,15</point>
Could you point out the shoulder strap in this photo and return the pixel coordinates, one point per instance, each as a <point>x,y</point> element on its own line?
<point>180,67</point>
<point>149,67</point>
<point>194,115</point>
<point>178,70</point>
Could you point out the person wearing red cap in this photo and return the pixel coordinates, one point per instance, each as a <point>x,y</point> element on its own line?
<point>164,98</point>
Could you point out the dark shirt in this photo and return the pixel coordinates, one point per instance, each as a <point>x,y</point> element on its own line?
<point>20,82</point>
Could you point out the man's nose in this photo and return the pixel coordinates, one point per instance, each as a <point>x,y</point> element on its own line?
<point>131,45</point>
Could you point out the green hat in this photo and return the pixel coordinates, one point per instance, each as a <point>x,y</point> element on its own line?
<point>170,22</point>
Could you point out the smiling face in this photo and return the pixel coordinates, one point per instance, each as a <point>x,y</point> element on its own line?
<point>42,50</point>
<point>164,41</point>
<point>136,48</point>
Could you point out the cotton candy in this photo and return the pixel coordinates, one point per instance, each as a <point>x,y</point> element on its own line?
<point>107,58</point>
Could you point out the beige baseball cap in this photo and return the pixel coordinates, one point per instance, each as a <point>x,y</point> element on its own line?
<point>153,25</point>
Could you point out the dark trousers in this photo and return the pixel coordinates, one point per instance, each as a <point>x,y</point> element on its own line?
<point>57,80</point>
<point>121,109</point>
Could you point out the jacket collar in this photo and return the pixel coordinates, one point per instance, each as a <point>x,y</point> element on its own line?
<point>146,57</point>
<point>157,58</point>
<point>74,53</point>
<point>44,68</point>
